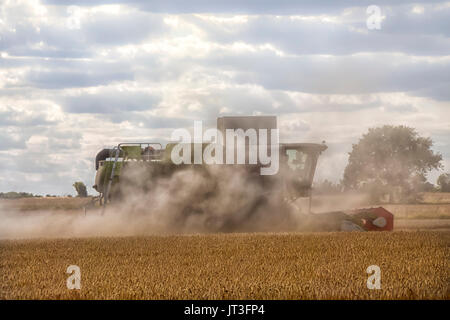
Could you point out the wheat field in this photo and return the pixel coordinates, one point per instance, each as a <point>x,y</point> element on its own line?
<point>414,265</point>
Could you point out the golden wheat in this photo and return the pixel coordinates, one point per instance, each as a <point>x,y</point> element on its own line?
<point>230,266</point>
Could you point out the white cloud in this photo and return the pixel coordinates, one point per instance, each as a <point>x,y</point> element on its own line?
<point>74,81</point>
<point>418,9</point>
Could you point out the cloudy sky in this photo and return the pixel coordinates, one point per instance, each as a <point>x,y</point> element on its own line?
<point>76,76</point>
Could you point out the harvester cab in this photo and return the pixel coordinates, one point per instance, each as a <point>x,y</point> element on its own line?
<point>298,163</point>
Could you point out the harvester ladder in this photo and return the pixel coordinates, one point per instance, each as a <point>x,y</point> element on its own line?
<point>111,177</point>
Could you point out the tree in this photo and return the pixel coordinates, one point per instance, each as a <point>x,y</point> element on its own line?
<point>391,160</point>
<point>444,182</point>
<point>80,187</point>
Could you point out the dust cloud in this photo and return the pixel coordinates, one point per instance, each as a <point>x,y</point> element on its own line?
<point>205,200</point>
<point>201,199</point>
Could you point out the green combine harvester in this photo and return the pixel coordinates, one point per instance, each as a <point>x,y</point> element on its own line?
<point>297,165</point>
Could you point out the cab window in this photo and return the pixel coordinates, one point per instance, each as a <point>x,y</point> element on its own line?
<point>299,162</point>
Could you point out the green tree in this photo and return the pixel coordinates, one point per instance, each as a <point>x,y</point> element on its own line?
<point>391,160</point>
<point>80,187</point>
<point>444,182</point>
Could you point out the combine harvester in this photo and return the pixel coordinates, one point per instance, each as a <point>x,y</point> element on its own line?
<point>292,182</point>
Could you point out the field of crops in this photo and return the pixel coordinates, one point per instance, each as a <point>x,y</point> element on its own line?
<point>414,264</point>
<point>51,203</point>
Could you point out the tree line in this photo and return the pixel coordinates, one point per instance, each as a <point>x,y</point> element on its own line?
<point>79,186</point>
